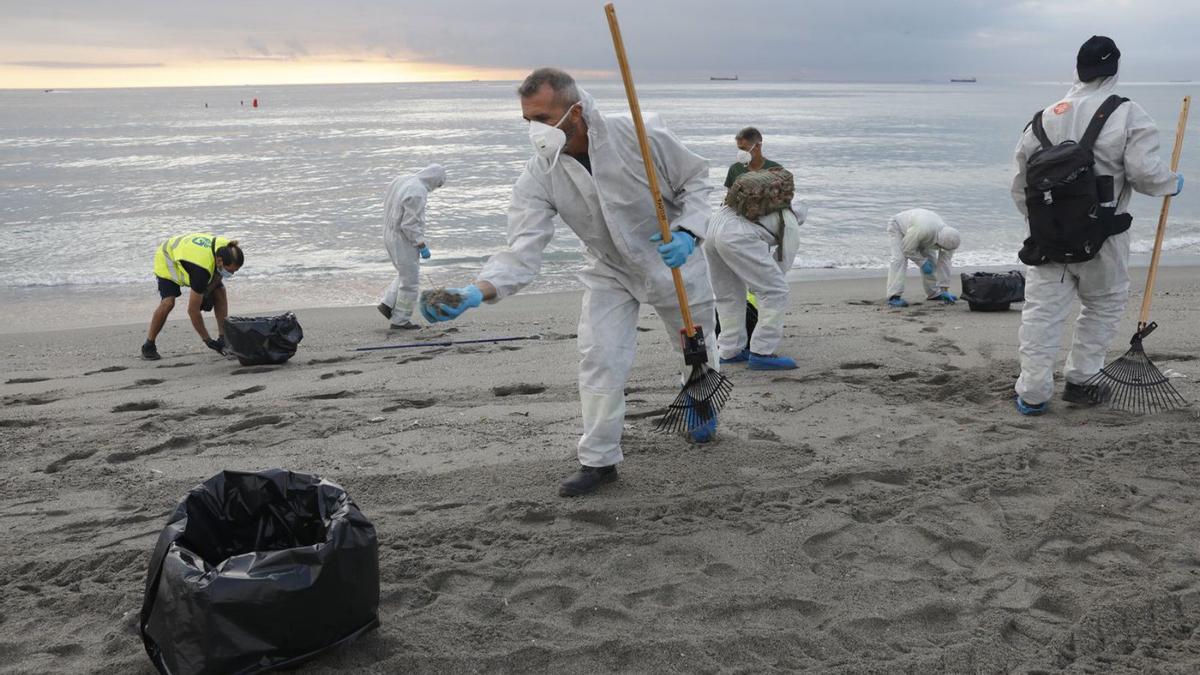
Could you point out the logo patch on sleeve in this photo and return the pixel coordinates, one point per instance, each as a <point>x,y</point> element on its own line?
<point>1062,108</point>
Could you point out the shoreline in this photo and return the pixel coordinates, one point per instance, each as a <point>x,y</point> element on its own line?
<point>86,306</point>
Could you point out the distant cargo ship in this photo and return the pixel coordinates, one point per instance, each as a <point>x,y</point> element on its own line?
<point>962,79</point>
<point>724,79</point>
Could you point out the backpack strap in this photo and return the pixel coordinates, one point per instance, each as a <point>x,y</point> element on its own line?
<point>1093,131</point>
<point>1039,131</point>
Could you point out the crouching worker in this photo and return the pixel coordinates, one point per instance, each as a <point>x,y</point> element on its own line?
<point>920,235</point>
<point>745,250</point>
<point>201,262</point>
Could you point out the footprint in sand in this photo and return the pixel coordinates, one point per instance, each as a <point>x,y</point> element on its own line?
<point>929,329</point>
<point>544,600</point>
<point>898,341</point>
<point>413,357</point>
<point>335,359</point>
<point>907,375</point>
<point>147,382</point>
<point>173,443</point>
<point>404,403</point>
<point>109,369</point>
<point>17,424</point>
<point>329,396</point>
<point>340,373</point>
<point>27,380</point>
<point>29,400</point>
<point>137,406</point>
<point>859,365</point>
<point>252,422</point>
<point>944,346</point>
<point>248,390</point>
<point>215,411</point>
<point>518,389</point>
<point>254,370</point>
<point>184,364</point>
<point>58,464</point>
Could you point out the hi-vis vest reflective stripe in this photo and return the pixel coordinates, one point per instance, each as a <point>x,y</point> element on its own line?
<point>198,248</point>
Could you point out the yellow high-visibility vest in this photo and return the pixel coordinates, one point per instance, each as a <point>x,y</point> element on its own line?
<point>198,248</point>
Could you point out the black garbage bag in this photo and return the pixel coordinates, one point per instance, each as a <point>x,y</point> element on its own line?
<point>261,340</point>
<point>257,571</point>
<point>993,291</point>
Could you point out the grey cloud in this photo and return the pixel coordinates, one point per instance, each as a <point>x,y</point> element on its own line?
<point>766,39</point>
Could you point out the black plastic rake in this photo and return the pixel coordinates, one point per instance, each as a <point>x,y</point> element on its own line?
<point>1133,382</point>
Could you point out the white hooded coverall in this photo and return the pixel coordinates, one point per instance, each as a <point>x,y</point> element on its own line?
<point>913,234</point>
<point>1127,150</point>
<point>403,229</point>
<point>739,256</point>
<point>612,213</point>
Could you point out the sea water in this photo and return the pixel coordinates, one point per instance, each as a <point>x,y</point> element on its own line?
<point>91,181</point>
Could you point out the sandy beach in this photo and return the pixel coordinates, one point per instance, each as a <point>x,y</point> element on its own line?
<point>882,509</point>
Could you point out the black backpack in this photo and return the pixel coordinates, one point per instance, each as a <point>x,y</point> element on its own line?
<point>1072,210</point>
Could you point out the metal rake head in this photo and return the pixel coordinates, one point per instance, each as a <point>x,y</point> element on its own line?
<point>705,392</point>
<point>1133,383</point>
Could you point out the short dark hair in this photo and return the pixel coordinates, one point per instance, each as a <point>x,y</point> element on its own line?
<point>560,81</point>
<point>231,254</point>
<point>749,134</point>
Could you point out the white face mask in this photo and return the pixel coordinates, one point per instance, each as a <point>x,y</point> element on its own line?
<point>744,157</point>
<point>548,141</point>
<point>225,274</point>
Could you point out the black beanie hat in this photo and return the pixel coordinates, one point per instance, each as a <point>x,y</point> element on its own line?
<point>1098,57</point>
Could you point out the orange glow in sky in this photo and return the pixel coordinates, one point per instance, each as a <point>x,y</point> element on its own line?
<point>242,72</point>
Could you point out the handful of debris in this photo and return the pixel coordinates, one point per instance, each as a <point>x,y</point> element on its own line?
<point>440,296</point>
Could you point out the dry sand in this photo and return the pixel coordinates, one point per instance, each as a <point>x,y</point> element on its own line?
<point>881,509</point>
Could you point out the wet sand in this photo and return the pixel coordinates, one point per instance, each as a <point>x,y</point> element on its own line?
<point>881,509</point>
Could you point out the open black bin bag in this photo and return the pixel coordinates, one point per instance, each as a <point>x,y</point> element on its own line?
<point>263,340</point>
<point>993,291</point>
<point>257,571</point>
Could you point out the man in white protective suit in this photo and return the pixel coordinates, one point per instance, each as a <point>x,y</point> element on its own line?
<point>587,169</point>
<point>1127,150</point>
<point>404,238</point>
<point>920,235</point>
<point>750,255</point>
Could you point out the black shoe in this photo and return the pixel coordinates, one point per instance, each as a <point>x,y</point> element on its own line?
<point>586,480</point>
<point>1082,394</point>
<point>149,351</point>
<point>384,310</point>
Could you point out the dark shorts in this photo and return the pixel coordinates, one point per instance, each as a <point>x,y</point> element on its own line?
<point>168,288</point>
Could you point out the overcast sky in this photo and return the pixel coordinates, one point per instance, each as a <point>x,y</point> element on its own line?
<point>122,41</point>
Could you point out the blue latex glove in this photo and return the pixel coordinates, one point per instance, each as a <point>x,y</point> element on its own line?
<point>927,267</point>
<point>676,253</point>
<point>424,251</point>
<point>1178,184</point>
<point>897,301</point>
<point>471,297</point>
<point>946,297</point>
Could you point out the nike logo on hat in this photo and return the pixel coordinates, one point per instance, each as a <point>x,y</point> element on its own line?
<point>1105,57</point>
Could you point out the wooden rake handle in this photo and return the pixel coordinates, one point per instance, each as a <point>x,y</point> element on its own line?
<point>1152,275</point>
<point>635,111</point>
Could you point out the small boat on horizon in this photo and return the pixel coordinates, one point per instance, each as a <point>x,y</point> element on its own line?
<point>714,78</point>
<point>962,79</point>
